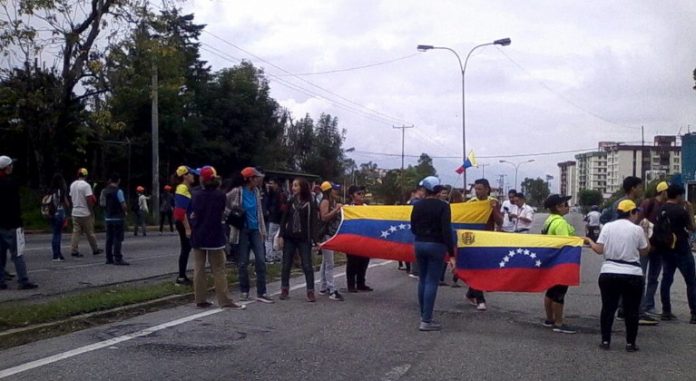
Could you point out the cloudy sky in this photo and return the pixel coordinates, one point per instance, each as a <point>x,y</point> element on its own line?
<point>575,73</point>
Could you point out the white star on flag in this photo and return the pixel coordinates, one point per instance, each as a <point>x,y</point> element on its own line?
<point>511,253</point>
<point>520,251</point>
<point>526,252</point>
<point>532,255</point>
<point>392,229</point>
<point>502,264</point>
<point>538,263</point>
<point>402,226</point>
<point>506,259</point>
<point>385,234</point>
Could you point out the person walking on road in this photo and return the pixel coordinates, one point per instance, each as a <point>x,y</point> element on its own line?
<point>524,214</point>
<point>356,265</point>
<point>330,215</point>
<point>274,208</point>
<point>555,224</point>
<point>166,208</point>
<point>60,204</point>
<point>83,201</point>
<point>621,242</point>
<point>114,218</point>
<point>208,240</point>
<point>251,235</point>
<point>142,211</point>
<point>182,211</point>
<point>431,224</point>
<point>592,225</point>
<point>297,232</point>
<point>11,232</point>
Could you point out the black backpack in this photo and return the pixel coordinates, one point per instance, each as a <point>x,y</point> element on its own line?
<point>662,236</point>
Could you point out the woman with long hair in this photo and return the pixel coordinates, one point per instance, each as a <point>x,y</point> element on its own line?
<point>330,215</point>
<point>296,230</point>
<point>61,203</point>
<point>182,212</point>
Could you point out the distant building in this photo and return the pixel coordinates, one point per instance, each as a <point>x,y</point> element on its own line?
<point>592,171</point>
<point>568,180</point>
<point>688,151</point>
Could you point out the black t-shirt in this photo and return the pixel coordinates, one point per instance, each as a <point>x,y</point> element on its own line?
<point>431,221</point>
<point>679,220</point>
<point>10,212</point>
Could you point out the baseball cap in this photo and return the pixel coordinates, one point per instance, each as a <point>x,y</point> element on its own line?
<point>355,188</point>
<point>139,189</point>
<point>555,199</point>
<point>326,185</point>
<point>167,187</point>
<point>184,170</point>
<point>6,161</point>
<point>627,206</point>
<point>662,186</point>
<point>249,172</point>
<point>208,174</point>
<point>430,183</point>
<point>82,172</point>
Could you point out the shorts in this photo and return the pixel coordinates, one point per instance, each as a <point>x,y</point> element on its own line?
<point>557,293</point>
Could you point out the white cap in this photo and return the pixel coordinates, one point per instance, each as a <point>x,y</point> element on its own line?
<point>5,162</point>
<point>430,183</point>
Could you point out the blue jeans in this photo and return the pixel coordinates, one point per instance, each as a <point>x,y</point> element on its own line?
<point>681,259</point>
<point>57,226</point>
<point>652,266</point>
<point>305,249</point>
<point>114,237</point>
<point>8,241</point>
<point>430,257</point>
<point>251,240</point>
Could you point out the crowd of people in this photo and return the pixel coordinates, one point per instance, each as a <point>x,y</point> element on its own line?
<point>259,219</point>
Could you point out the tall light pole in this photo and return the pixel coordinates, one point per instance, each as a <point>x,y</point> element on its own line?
<point>423,48</point>
<point>401,174</point>
<point>517,166</point>
<point>351,149</point>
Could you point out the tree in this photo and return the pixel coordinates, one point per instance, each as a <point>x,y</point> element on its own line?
<point>536,191</point>
<point>589,197</point>
<point>326,156</point>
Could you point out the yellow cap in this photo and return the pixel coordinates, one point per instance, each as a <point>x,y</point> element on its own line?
<point>662,186</point>
<point>82,172</point>
<point>626,206</point>
<point>325,186</point>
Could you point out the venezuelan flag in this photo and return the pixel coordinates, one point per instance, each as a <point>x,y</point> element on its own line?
<point>491,261</point>
<point>385,231</point>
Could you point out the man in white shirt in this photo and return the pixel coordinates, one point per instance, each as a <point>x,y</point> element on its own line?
<point>508,209</point>
<point>83,201</point>
<point>593,225</point>
<point>524,215</point>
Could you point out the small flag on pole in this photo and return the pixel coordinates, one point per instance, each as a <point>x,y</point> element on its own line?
<point>469,162</point>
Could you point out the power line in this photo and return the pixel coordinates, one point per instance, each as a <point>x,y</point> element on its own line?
<point>480,157</point>
<point>355,67</point>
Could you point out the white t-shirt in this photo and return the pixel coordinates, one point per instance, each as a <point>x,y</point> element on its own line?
<point>79,191</point>
<point>593,218</point>
<point>622,239</point>
<point>525,211</point>
<point>508,223</point>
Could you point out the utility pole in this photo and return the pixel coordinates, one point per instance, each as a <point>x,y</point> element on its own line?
<point>501,185</point>
<point>155,142</point>
<point>483,169</point>
<point>401,174</point>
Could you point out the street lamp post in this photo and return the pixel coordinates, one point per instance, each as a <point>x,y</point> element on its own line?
<point>423,48</point>
<point>351,149</point>
<point>517,166</point>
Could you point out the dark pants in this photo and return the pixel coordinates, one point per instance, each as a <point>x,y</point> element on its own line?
<point>57,228</point>
<point>681,259</point>
<point>430,257</point>
<point>473,293</point>
<point>185,243</point>
<point>356,269</point>
<point>140,222</point>
<point>652,266</point>
<point>114,237</point>
<point>8,242</point>
<point>251,240</point>
<point>305,249</point>
<point>630,289</point>
<point>166,214</point>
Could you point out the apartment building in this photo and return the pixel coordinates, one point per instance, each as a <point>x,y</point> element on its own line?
<point>568,180</point>
<point>592,171</point>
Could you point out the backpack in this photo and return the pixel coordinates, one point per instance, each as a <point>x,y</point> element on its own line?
<point>48,206</point>
<point>662,236</point>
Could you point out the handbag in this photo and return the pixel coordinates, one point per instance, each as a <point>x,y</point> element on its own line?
<point>236,218</point>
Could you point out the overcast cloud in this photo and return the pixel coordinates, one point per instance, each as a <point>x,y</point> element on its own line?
<point>577,72</point>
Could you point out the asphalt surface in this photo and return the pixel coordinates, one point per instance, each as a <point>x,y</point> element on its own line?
<point>369,336</point>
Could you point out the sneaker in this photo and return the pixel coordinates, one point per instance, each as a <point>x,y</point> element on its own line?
<point>244,296</point>
<point>310,297</point>
<point>652,314</point>
<point>76,255</point>
<point>234,306</point>
<point>604,345</point>
<point>284,294</point>
<point>121,263</point>
<point>265,298</point>
<point>414,276</point>
<point>667,316</point>
<point>547,323</point>
<point>182,281</point>
<point>97,252</point>
<point>429,326</point>
<point>472,301</point>
<point>9,275</point>
<point>323,292</point>
<point>481,306</point>
<point>204,305</point>
<point>336,296</point>
<point>58,259</point>
<point>365,289</point>
<point>563,328</point>
<point>27,286</point>
<point>647,320</point>
<point>632,348</point>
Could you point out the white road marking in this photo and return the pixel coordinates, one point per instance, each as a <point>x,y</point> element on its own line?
<point>110,342</point>
<point>396,373</point>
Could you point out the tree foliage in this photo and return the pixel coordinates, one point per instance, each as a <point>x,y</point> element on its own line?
<point>536,191</point>
<point>589,197</point>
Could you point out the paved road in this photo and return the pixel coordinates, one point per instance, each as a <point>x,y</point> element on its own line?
<point>149,256</point>
<point>370,336</point>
